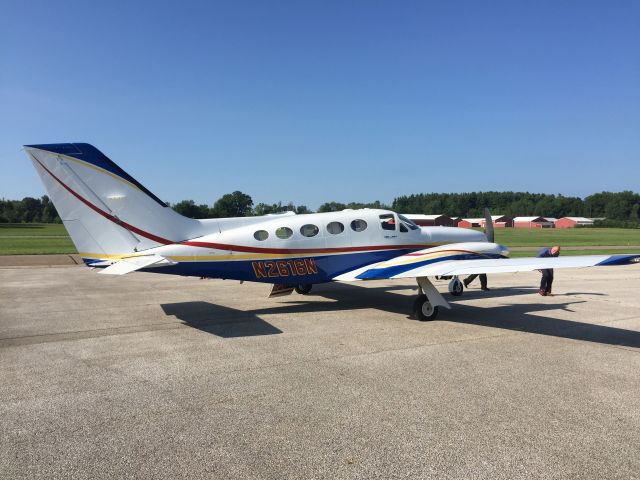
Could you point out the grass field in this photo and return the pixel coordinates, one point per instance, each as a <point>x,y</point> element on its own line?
<point>577,237</point>
<point>32,238</point>
<point>32,229</point>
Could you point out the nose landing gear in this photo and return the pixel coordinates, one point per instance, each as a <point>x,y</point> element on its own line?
<point>456,287</point>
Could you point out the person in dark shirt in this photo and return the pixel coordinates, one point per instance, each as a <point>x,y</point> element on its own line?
<point>483,280</point>
<point>547,273</point>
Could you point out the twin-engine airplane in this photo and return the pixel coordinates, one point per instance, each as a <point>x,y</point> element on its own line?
<point>119,226</point>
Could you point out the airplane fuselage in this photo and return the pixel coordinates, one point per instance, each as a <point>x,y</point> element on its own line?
<point>295,249</point>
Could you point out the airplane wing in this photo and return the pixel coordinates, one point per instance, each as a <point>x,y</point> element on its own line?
<point>425,265</point>
<point>131,264</point>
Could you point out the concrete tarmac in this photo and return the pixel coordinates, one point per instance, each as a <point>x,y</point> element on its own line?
<point>151,376</point>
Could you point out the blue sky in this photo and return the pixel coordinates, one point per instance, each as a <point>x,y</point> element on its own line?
<point>330,100</point>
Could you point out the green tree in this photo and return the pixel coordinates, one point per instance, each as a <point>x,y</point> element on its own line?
<point>263,209</point>
<point>236,204</point>
<point>188,208</point>
<point>30,210</point>
<point>6,210</point>
<point>332,207</point>
<point>49,213</point>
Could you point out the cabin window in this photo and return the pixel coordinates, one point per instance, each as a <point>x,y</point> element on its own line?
<point>309,230</point>
<point>388,221</point>
<point>358,225</point>
<point>284,232</point>
<point>334,228</point>
<point>403,228</point>
<point>261,235</point>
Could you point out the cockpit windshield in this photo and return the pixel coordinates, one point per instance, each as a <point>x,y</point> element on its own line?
<point>408,222</point>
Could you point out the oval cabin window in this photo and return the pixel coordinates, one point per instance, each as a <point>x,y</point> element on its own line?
<point>284,232</point>
<point>261,235</point>
<point>334,228</point>
<point>309,230</point>
<point>358,225</point>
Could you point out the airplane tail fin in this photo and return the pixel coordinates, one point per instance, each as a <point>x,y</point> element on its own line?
<point>106,211</point>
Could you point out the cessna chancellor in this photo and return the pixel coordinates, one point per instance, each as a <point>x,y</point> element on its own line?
<point>120,226</point>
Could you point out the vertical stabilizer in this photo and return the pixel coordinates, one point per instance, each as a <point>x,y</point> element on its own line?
<point>105,210</point>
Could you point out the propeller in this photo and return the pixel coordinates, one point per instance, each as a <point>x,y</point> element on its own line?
<point>488,225</point>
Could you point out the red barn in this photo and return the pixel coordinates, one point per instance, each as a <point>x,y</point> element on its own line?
<point>532,222</point>
<point>429,220</point>
<point>571,222</point>
<point>501,221</point>
<point>471,222</point>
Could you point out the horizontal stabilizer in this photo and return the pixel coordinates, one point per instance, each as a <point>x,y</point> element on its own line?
<point>131,264</point>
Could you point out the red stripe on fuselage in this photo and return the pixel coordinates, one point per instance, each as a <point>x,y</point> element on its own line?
<point>240,248</point>
<point>223,246</point>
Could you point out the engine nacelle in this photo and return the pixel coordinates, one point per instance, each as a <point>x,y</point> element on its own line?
<point>473,249</point>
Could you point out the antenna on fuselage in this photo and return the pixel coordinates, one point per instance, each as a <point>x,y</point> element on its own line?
<point>488,225</point>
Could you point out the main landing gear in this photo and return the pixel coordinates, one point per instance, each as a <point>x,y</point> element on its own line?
<point>428,301</point>
<point>303,288</point>
<point>423,310</point>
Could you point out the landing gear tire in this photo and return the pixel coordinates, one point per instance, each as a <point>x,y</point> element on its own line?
<point>456,287</point>
<point>423,309</point>
<point>303,288</point>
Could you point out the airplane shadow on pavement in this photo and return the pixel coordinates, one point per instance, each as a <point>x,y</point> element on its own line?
<point>229,322</point>
<point>222,321</point>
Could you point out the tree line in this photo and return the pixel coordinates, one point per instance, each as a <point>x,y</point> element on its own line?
<point>620,209</point>
<point>28,210</point>
<point>620,206</point>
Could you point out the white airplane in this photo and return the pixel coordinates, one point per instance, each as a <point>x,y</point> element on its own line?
<point>120,226</point>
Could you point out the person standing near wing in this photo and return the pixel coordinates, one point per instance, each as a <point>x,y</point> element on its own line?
<point>483,281</point>
<point>547,273</point>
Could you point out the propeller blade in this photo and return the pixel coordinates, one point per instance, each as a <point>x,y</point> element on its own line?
<point>488,225</point>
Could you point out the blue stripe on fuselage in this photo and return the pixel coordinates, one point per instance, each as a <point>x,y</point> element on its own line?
<point>328,266</point>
